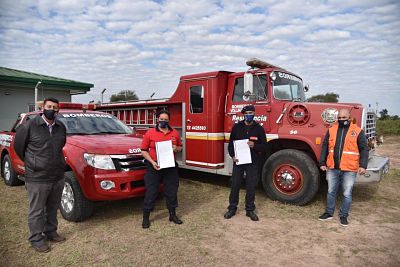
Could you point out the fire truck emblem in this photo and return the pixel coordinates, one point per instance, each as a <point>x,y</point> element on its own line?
<point>329,115</point>
<point>298,114</point>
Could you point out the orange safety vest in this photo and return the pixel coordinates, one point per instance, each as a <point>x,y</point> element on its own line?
<point>350,160</point>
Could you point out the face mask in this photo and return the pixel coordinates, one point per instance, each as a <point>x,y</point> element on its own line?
<point>49,114</point>
<point>163,124</point>
<point>343,123</point>
<point>249,118</point>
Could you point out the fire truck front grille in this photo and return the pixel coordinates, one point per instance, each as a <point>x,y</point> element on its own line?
<point>370,126</point>
<point>129,162</point>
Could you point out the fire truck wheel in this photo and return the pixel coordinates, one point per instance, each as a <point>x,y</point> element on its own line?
<point>290,176</point>
<point>9,175</point>
<point>74,206</point>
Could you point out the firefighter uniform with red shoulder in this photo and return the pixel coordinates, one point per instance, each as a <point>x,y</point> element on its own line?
<point>344,154</point>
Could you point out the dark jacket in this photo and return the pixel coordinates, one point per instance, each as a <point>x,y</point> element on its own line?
<point>254,131</point>
<point>41,151</point>
<point>337,152</point>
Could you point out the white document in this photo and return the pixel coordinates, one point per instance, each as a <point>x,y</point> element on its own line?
<point>242,151</point>
<point>165,154</point>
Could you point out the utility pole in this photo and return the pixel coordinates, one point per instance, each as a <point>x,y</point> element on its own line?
<point>102,93</point>
<point>36,94</point>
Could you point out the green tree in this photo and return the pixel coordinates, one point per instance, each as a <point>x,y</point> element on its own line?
<point>384,114</point>
<point>327,98</point>
<point>124,95</point>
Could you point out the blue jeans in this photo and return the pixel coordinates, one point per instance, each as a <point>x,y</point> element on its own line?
<point>336,178</point>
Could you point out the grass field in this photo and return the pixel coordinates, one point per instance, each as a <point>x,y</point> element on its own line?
<point>285,235</point>
<point>388,127</point>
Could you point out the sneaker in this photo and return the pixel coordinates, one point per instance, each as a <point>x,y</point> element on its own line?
<point>229,214</point>
<point>343,221</point>
<point>325,217</point>
<point>44,248</point>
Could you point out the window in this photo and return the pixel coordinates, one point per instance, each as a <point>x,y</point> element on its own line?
<point>196,99</point>
<point>31,107</point>
<point>288,87</point>
<point>259,89</point>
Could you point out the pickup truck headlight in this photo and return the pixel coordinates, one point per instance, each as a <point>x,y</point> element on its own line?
<point>103,162</point>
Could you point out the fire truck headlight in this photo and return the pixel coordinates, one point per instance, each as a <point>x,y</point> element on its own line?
<point>103,162</point>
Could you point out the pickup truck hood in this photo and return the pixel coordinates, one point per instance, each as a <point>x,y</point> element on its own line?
<point>106,144</point>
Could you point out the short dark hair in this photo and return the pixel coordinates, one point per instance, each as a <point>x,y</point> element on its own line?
<point>164,111</point>
<point>52,99</point>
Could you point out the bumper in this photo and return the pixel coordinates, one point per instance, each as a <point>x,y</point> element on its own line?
<point>127,185</point>
<point>376,170</point>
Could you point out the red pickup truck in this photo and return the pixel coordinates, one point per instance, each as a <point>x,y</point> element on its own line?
<point>103,156</point>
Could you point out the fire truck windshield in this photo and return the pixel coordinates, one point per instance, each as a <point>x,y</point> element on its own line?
<point>92,123</point>
<point>288,87</point>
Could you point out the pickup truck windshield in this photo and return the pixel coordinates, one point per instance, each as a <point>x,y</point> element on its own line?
<point>90,123</point>
<point>288,87</point>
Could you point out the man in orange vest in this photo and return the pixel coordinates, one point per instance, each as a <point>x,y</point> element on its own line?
<point>344,154</point>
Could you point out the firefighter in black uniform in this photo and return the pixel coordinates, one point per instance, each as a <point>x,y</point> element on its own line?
<point>246,129</point>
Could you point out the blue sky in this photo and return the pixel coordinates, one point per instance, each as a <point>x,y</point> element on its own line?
<point>348,47</point>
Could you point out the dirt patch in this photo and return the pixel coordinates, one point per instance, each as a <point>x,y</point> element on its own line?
<point>391,149</point>
<point>285,235</point>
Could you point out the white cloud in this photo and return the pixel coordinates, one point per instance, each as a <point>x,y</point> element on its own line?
<point>350,47</point>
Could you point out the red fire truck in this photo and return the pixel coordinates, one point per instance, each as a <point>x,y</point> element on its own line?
<point>205,106</point>
<point>103,156</point>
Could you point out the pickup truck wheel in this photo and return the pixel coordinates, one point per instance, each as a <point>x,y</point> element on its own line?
<point>9,175</point>
<point>74,206</point>
<point>290,176</point>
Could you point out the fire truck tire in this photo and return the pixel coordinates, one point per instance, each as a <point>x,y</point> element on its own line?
<point>74,206</point>
<point>290,176</point>
<point>8,173</point>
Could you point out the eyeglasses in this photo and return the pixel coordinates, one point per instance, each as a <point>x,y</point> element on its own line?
<point>341,118</point>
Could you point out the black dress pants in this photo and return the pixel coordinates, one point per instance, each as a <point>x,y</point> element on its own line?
<point>238,171</point>
<point>153,179</point>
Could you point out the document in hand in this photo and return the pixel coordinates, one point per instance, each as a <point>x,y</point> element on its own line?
<point>165,154</point>
<point>242,151</point>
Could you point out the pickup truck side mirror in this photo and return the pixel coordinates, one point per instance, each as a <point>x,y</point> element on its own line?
<point>306,88</point>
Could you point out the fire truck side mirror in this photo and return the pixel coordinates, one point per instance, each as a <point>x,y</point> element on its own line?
<point>306,88</point>
<point>248,85</point>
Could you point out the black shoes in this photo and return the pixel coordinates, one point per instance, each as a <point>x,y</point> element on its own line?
<point>343,221</point>
<point>253,216</point>
<point>229,214</point>
<point>146,219</point>
<point>56,238</point>
<point>173,218</point>
<point>44,248</point>
<point>325,217</point>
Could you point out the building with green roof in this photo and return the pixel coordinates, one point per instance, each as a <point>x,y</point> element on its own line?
<point>17,92</point>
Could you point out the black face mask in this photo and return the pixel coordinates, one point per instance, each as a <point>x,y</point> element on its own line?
<point>343,123</point>
<point>49,114</point>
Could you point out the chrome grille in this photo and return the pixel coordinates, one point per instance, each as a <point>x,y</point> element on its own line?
<point>370,126</point>
<point>129,162</point>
